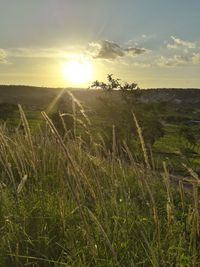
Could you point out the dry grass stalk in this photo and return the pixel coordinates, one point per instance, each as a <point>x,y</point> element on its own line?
<point>28,136</point>
<point>77,171</point>
<point>182,195</point>
<point>192,173</point>
<point>22,183</point>
<point>144,150</point>
<point>105,237</point>
<point>81,109</point>
<point>169,204</point>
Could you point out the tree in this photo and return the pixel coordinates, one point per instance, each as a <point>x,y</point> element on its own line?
<point>118,112</point>
<point>114,84</point>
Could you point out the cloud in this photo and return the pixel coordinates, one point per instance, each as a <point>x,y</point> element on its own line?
<point>196,58</point>
<point>107,50</point>
<point>3,56</point>
<point>97,50</point>
<point>36,53</point>
<point>136,50</point>
<point>110,50</point>
<point>141,39</point>
<point>23,52</point>
<point>141,65</point>
<point>45,52</point>
<point>173,61</point>
<point>179,43</point>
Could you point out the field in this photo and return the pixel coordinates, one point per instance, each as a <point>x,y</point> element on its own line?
<point>98,179</point>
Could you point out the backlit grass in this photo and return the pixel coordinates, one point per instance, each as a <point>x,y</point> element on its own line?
<point>68,202</point>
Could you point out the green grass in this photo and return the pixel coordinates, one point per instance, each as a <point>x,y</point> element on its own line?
<point>68,202</point>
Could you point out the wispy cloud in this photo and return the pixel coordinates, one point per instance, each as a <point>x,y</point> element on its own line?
<point>35,53</point>
<point>179,43</point>
<point>141,39</point>
<point>3,56</point>
<point>174,61</point>
<point>45,53</point>
<point>109,50</point>
<point>196,58</point>
<point>141,65</point>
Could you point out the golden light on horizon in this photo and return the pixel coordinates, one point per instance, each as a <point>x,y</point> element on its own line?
<point>77,72</point>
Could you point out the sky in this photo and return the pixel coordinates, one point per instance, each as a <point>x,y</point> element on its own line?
<point>71,43</point>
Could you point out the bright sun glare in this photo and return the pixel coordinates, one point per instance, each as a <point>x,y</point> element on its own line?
<point>77,72</point>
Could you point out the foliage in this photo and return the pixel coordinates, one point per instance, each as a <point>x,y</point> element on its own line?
<point>120,113</point>
<point>114,84</point>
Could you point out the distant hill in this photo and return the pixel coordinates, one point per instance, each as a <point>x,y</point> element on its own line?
<point>41,97</point>
<point>27,95</point>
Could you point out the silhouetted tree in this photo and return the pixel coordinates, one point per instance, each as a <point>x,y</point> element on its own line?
<point>114,84</point>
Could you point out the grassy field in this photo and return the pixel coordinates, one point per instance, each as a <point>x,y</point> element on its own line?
<point>169,118</point>
<point>83,187</point>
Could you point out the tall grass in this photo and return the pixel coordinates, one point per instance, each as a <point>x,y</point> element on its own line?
<point>67,202</point>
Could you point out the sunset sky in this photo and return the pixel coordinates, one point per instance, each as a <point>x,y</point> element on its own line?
<point>63,43</point>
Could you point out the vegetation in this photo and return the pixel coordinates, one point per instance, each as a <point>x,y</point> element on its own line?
<point>115,84</point>
<point>71,198</point>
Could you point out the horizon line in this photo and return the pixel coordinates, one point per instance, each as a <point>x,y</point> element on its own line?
<point>87,88</point>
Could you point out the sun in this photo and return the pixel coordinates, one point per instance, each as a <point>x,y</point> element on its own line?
<point>77,72</point>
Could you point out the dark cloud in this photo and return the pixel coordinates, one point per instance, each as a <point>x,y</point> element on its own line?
<point>110,50</point>
<point>136,50</point>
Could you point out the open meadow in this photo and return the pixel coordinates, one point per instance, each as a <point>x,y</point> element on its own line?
<point>91,178</point>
